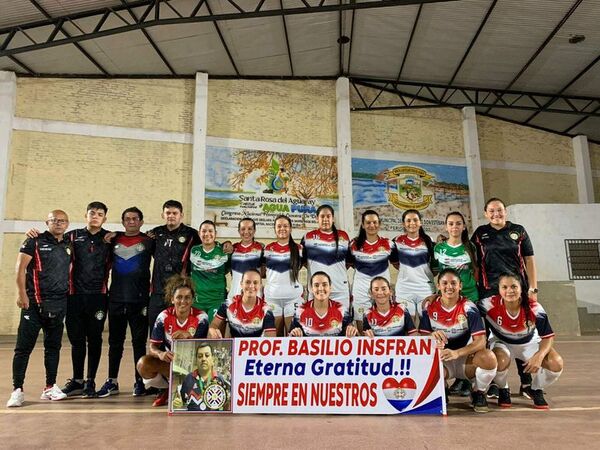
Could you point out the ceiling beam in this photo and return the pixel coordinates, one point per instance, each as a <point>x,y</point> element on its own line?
<point>408,45</point>
<point>148,38</point>
<point>148,20</point>
<point>533,57</point>
<point>478,97</point>
<point>472,43</point>
<point>229,55</point>
<point>59,27</point>
<point>287,39</point>
<point>567,86</point>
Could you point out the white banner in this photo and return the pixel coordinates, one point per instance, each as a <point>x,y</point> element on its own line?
<point>337,376</point>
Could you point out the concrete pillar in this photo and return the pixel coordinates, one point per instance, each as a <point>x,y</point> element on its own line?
<point>8,101</point>
<point>199,149</point>
<point>585,184</point>
<point>344,155</point>
<point>473,160</point>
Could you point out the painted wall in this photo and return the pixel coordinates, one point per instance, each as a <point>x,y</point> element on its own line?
<point>63,169</point>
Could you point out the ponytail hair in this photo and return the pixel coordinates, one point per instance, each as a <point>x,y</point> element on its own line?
<point>424,236</point>
<point>336,235</point>
<point>464,237</point>
<point>295,262</point>
<point>362,233</point>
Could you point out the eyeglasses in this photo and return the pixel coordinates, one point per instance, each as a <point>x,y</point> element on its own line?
<point>58,221</point>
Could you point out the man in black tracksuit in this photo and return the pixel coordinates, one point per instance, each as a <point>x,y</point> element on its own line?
<point>42,283</point>
<point>88,300</point>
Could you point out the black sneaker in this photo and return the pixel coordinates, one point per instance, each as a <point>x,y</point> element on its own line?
<point>73,388</point>
<point>479,401</point>
<point>466,389</point>
<point>456,387</point>
<point>504,400</point>
<point>539,402</point>
<point>139,389</point>
<point>89,390</point>
<point>492,391</point>
<point>524,391</point>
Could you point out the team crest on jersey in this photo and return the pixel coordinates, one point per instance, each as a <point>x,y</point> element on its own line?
<point>361,310</point>
<point>181,239</point>
<point>461,318</point>
<point>334,324</point>
<point>99,315</point>
<point>529,324</point>
<point>514,235</point>
<point>408,187</point>
<point>215,396</point>
<point>395,319</point>
<point>140,247</point>
<point>256,321</point>
<point>192,331</point>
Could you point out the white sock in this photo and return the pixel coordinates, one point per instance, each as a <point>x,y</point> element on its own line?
<point>483,378</point>
<point>501,379</point>
<point>544,378</point>
<point>158,382</point>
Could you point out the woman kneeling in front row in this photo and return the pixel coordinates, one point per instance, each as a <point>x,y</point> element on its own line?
<point>322,316</point>
<point>521,330</point>
<point>178,321</point>
<point>457,326</point>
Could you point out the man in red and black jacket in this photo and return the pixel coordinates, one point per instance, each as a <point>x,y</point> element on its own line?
<point>43,284</point>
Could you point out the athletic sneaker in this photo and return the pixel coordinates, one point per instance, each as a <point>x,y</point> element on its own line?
<point>524,391</point>
<point>89,389</point>
<point>480,404</point>
<point>504,400</point>
<point>456,387</point>
<point>492,391</point>
<point>73,388</point>
<point>139,389</point>
<point>17,398</point>
<point>162,399</point>
<point>107,389</point>
<point>53,393</point>
<point>539,402</point>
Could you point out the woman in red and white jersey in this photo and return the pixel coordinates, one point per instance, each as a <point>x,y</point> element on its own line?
<point>178,321</point>
<point>415,258</point>
<point>247,255</point>
<point>370,255</point>
<point>521,330</point>
<point>283,261</point>
<point>322,316</point>
<point>386,317</point>
<point>326,249</point>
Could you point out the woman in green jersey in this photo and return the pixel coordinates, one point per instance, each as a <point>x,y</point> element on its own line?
<point>458,253</point>
<point>209,264</point>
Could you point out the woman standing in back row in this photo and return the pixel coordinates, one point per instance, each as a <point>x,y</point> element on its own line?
<point>504,247</point>
<point>326,250</point>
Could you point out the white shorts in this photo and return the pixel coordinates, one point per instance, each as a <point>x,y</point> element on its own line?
<point>524,352</point>
<point>284,306</point>
<point>411,302</point>
<point>456,368</point>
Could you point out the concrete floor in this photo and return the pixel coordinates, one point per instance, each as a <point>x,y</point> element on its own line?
<point>123,421</point>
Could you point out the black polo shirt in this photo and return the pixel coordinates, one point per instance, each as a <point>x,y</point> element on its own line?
<point>501,251</point>
<point>90,262</point>
<point>47,279</point>
<point>131,256</point>
<point>171,254</point>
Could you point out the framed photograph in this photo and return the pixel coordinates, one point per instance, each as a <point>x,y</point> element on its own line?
<point>201,376</point>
